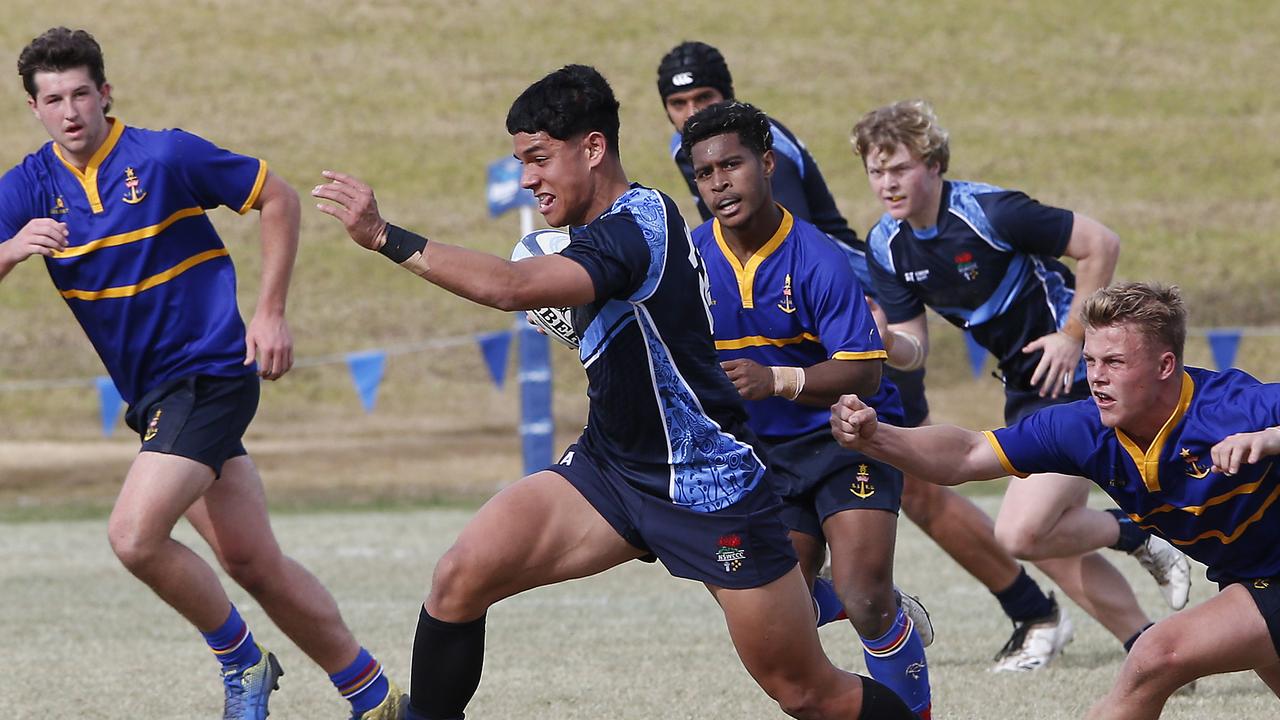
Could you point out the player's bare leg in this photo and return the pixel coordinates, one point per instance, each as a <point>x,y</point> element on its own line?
<point>538,531</point>
<point>157,490</point>
<point>232,518</point>
<point>1223,634</point>
<point>862,544</point>
<point>1030,518</point>
<point>772,630</point>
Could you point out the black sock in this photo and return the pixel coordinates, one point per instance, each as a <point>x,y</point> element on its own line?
<point>881,703</point>
<point>1132,537</point>
<point>1024,600</point>
<point>1128,644</point>
<point>447,658</point>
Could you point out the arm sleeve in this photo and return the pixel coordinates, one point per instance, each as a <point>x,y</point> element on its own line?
<point>899,303</point>
<point>1047,440</point>
<point>614,253</point>
<point>215,176</point>
<point>1027,225</point>
<point>15,203</point>
<point>841,316</point>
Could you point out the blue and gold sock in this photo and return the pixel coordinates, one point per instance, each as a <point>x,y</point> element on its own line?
<point>361,683</point>
<point>897,660</point>
<point>827,603</point>
<point>232,643</point>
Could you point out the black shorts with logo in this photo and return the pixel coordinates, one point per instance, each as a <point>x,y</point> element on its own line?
<point>745,545</point>
<point>1266,595</point>
<point>817,478</point>
<point>201,417</point>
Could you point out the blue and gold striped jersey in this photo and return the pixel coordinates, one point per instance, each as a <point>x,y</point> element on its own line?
<point>988,265</point>
<point>1227,522</point>
<point>795,302</point>
<point>145,273</point>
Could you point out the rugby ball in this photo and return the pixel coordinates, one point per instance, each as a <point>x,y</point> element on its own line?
<point>556,322</point>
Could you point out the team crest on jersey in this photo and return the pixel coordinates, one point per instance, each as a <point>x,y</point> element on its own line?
<point>153,427</point>
<point>862,486</point>
<point>731,553</point>
<point>786,305</point>
<point>1262,583</point>
<point>132,182</point>
<point>966,265</point>
<point>59,207</point>
<point>1194,468</point>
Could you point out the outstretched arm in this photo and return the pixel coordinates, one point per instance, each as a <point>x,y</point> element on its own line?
<point>538,282</point>
<point>1246,449</point>
<point>940,454</point>
<point>267,338</point>
<point>41,236</point>
<point>823,383</point>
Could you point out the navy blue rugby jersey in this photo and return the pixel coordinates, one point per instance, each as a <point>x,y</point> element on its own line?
<point>794,302</point>
<point>144,273</point>
<point>1231,523</point>
<point>989,266</point>
<point>798,186</point>
<point>662,413</point>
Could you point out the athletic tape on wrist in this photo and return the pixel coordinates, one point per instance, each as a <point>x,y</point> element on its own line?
<point>788,382</point>
<point>406,249</point>
<point>917,352</point>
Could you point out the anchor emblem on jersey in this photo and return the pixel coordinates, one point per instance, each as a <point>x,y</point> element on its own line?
<point>786,305</point>
<point>132,182</point>
<point>1194,468</point>
<point>862,486</point>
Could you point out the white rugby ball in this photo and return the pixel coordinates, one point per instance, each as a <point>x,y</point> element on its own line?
<point>557,322</point>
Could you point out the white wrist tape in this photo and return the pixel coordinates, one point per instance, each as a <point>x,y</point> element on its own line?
<point>917,352</point>
<point>788,382</point>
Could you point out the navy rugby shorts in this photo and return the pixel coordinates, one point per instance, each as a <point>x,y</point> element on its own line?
<point>200,417</point>
<point>745,545</point>
<point>817,478</point>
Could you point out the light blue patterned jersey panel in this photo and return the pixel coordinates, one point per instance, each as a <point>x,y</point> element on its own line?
<point>783,145</point>
<point>964,205</point>
<point>710,469</point>
<point>604,327</point>
<point>878,242</point>
<point>650,214</point>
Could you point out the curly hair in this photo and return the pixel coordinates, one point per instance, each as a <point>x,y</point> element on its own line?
<point>573,100</point>
<point>749,122</point>
<point>60,49</point>
<point>909,123</point>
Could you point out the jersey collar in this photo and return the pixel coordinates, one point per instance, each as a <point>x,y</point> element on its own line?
<point>746,274</point>
<point>1148,463</point>
<point>88,178</point>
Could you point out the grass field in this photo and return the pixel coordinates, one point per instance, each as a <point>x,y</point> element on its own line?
<point>631,644</point>
<point>1157,117</point>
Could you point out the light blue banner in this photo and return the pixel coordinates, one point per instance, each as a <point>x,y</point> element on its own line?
<point>366,372</point>
<point>502,187</point>
<point>537,430</point>
<point>977,355</point>
<point>109,404</point>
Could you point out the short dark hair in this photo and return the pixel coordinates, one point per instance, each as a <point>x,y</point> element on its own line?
<point>748,121</point>
<point>1154,309</point>
<point>571,101</point>
<point>60,49</point>
<point>694,64</point>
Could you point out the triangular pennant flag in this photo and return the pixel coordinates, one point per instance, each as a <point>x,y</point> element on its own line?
<point>1224,344</point>
<point>109,403</point>
<point>366,372</point>
<point>977,354</point>
<point>494,347</point>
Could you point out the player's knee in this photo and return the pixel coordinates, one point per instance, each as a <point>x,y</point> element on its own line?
<point>870,605</point>
<point>798,700</point>
<point>1157,664</point>
<point>131,547</point>
<point>1019,539</point>
<point>458,587</point>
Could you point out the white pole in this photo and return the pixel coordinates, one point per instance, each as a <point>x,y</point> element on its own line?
<point>526,220</point>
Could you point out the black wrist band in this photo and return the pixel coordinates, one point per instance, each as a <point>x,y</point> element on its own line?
<point>401,244</point>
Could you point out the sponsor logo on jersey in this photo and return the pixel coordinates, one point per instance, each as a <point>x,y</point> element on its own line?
<point>59,207</point>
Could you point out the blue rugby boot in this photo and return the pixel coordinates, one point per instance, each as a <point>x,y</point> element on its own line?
<point>248,688</point>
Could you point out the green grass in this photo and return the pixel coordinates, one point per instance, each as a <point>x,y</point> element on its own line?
<point>630,644</point>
